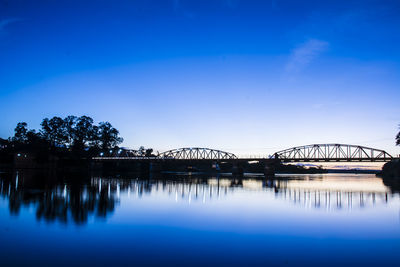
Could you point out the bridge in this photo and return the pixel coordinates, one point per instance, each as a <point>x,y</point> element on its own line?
<point>194,159</point>
<point>332,153</point>
<point>197,153</point>
<point>307,153</point>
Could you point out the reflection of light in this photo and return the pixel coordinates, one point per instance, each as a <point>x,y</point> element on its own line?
<point>212,181</point>
<point>348,184</point>
<point>252,184</point>
<point>16,182</point>
<point>222,182</point>
<point>344,165</point>
<point>225,182</point>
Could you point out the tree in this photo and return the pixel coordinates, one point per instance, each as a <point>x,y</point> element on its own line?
<point>398,139</point>
<point>95,138</point>
<point>77,133</point>
<point>83,132</point>
<point>20,133</point>
<point>69,124</point>
<point>53,131</point>
<point>33,138</point>
<point>149,152</point>
<point>108,136</point>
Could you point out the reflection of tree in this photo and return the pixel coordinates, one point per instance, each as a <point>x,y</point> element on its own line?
<point>55,201</point>
<point>51,208</point>
<point>392,183</point>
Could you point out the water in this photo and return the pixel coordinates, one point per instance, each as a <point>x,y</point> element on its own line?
<point>330,219</point>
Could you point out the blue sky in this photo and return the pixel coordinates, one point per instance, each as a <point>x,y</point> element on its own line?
<point>249,77</point>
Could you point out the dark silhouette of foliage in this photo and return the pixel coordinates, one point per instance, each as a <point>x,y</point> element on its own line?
<point>108,136</point>
<point>149,152</point>
<point>83,132</point>
<point>72,137</point>
<point>53,131</point>
<point>69,124</point>
<point>20,133</point>
<point>398,139</point>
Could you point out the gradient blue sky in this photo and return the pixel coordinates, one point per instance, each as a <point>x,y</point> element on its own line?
<point>250,77</point>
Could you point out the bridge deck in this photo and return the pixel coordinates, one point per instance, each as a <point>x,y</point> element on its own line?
<point>244,159</point>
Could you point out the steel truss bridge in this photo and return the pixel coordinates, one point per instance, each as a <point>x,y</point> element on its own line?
<point>307,153</point>
<point>332,153</point>
<point>196,153</point>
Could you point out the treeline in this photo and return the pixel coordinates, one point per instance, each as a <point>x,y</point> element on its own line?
<point>71,136</point>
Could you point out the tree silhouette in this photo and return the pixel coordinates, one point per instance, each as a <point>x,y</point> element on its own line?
<point>398,139</point>
<point>53,131</point>
<point>34,138</point>
<point>68,138</point>
<point>95,138</point>
<point>149,152</point>
<point>83,132</point>
<point>108,136</point>
<point>20,133</point>
<point>69,124</point>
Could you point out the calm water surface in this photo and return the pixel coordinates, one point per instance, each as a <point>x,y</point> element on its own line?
<point>330,219</point>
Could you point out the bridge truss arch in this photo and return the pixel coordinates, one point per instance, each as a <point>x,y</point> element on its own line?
<point>196,153</point>
<point>332,152</point>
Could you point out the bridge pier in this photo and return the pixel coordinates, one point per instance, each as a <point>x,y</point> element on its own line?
<point>269,168</point>
<point>237,169</point>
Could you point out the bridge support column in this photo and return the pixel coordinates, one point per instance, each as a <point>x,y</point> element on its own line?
<point>237,169</point>
<point>269,169</point>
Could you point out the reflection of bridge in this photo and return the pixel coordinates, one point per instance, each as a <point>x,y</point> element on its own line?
<point>308,153</point>
<point>206,189</point>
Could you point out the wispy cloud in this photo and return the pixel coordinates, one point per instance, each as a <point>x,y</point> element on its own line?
<point>304,54</point>
<point>5,22</point>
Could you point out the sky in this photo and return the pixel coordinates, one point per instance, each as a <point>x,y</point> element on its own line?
<point>248,77</point>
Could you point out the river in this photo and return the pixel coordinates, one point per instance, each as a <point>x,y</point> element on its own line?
<point>180,219</point>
